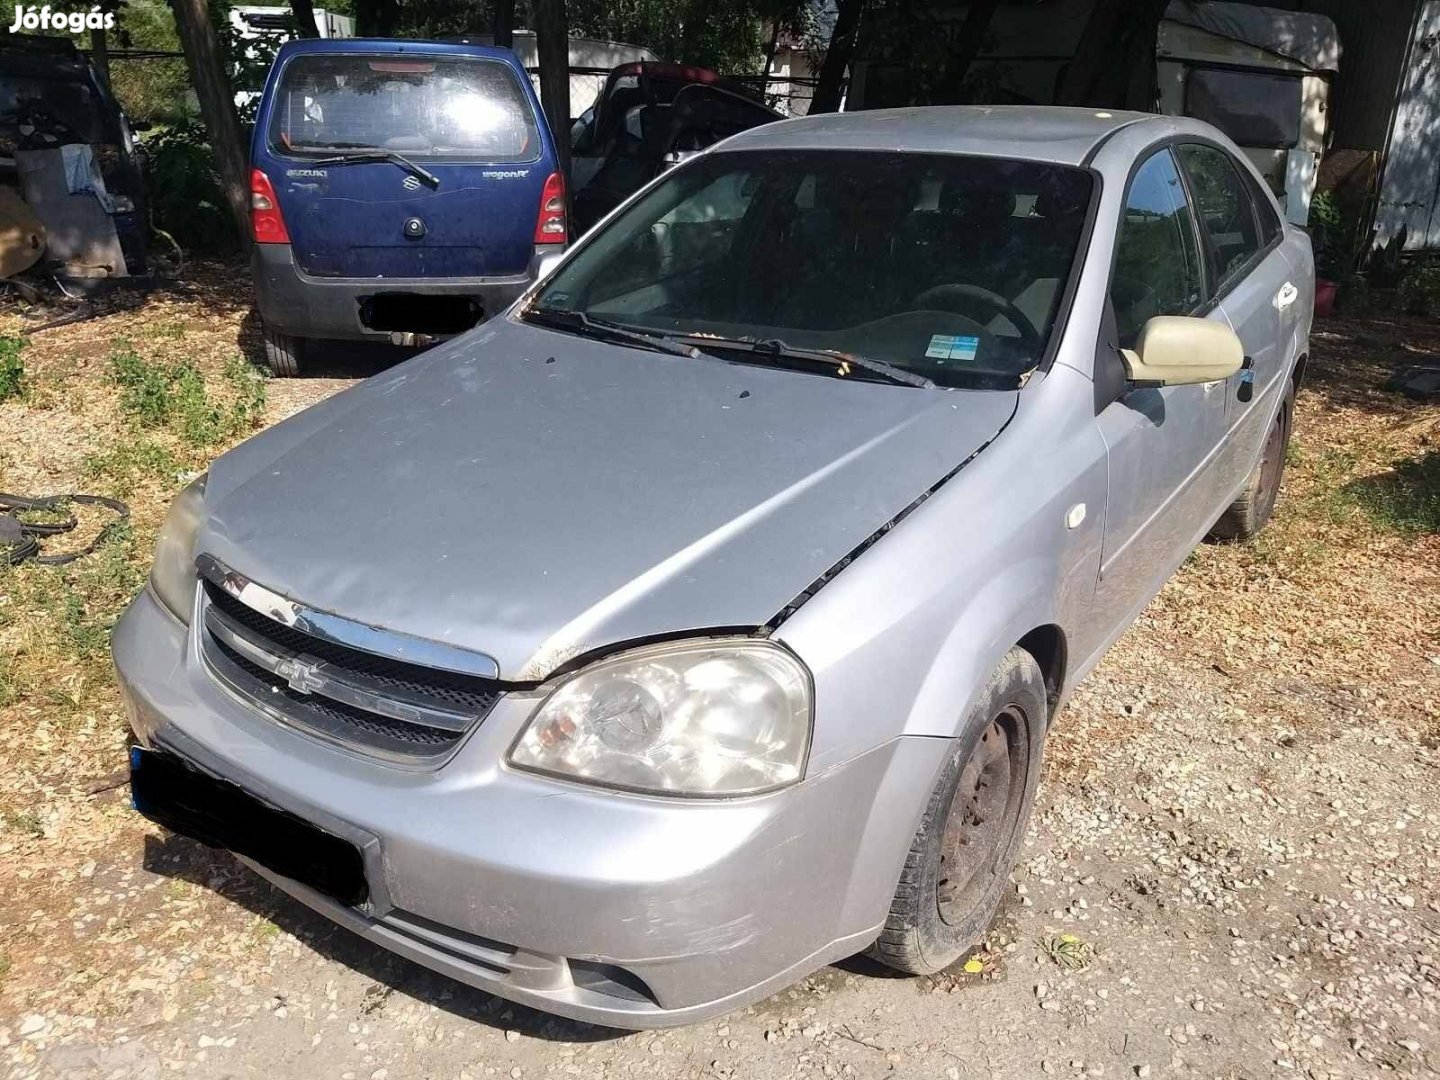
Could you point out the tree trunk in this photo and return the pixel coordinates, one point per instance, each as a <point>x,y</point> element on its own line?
<point>376,18</point>
<point>305,24</point>
<point>1118,36</point>
<point>830,85</point>
<point>217,105</point>
<point>100,56</point>
<point>552,46</point>
<point>967,46</point>
<point>503,26</point>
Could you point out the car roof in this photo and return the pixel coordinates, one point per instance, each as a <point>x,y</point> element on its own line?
<point>1039,133</point>
<point>397,47</point>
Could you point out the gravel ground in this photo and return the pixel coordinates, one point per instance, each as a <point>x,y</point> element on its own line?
<point>1239,828</point>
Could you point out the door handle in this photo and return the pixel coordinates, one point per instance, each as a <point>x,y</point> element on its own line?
<point>1286,296</point>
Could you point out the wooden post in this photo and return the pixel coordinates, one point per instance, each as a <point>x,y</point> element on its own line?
<point>552,44</point>
<point>100,56</point>
<point>502,29</point>
<point>201,46</point>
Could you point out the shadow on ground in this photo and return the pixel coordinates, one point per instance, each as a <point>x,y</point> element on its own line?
<point>325,359</point>
<point>183,859</point>
<point>1353,360</point>
<point>1405,498</point>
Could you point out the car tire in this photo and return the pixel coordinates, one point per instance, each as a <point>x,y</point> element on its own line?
<point>958,865</point>
<point>282,353</point>
<point>1248,514</point>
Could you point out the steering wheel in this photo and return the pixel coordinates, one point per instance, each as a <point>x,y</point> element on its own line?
<point>954,295</point>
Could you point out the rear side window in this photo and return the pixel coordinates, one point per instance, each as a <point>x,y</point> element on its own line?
<point>1157,259</point>
<point>1224,204</point>
<point>465,108</point>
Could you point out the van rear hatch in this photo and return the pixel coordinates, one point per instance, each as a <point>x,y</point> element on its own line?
<point>463,120</point>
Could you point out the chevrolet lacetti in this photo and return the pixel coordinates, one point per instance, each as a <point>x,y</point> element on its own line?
<point>699,621</point>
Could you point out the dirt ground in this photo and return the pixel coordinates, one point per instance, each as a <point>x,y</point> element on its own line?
<point>1239,822</point>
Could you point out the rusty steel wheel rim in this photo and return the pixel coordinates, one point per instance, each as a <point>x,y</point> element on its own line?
<point>984,816</point>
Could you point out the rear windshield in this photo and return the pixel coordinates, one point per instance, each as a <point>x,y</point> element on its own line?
<point>434,107</point>
<point>952,267</point>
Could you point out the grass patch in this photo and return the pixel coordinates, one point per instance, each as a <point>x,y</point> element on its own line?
<point>12,366</point>
<point>156,395</point>
<point>126,464</point>
<point>1404,500</point>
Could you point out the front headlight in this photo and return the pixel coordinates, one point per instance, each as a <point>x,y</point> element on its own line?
<point>715,717</point>
<point>173,575</point>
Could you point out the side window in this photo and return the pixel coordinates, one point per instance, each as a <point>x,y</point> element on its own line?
<point>1224,204</point>
<point>1157,259</point>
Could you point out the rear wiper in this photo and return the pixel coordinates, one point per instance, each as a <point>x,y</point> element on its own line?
<point>564,319</point>
<point>843,360</point>
<point>359,157</point>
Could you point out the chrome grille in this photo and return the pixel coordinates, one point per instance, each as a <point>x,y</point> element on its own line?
<point>370,702</point>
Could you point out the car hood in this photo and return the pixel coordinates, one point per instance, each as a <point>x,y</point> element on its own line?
<point>534,496</point>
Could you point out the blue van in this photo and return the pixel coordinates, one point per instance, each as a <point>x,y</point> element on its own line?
<point>399,191</point>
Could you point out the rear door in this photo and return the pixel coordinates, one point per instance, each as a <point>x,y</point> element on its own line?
<point>1253,289</point>
<point>470,121</point>
<point>1161,442</point>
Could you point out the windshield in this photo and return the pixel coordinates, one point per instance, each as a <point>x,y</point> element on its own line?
<point>440,107</point>
<point>952,267</point>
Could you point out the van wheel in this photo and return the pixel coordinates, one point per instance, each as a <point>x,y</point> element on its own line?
<point>962,854</point>
<point>282,353</point>
<point>1248,514</point>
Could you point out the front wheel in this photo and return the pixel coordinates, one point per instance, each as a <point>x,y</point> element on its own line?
<point>961,857</point>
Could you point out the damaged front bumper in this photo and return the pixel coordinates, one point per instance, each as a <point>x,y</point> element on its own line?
<point>617,909</point>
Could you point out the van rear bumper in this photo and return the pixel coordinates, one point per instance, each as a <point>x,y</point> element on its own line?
<point>301,305</point>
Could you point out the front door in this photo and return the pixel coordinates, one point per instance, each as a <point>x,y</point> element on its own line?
<point>1160,443</point>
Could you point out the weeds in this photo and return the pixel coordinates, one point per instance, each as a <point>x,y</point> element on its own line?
<point>177,397</point>
<point>131,461</point>
<point>1068,951</point>
<point>12,366</point>
<point>25,821</point>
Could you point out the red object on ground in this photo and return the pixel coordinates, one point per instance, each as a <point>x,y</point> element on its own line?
<point>1325,297</point>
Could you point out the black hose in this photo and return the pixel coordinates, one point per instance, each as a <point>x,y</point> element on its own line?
<point>19,540</point>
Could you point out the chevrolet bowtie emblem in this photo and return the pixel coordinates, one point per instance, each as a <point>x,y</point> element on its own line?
<point>303,677</point>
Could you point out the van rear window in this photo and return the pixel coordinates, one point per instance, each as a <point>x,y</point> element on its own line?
<point>439,107</point>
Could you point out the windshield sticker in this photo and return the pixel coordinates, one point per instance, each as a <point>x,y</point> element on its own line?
<point>953,347</point>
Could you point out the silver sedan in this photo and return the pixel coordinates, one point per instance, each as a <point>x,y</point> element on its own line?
<point>700,620</point>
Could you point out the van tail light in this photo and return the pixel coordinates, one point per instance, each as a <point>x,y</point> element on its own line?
<point>267,224</point>
<point>550,226</point>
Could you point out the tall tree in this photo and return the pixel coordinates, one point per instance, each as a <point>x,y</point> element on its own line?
<point>201,45</point>
<point>1115,61</point>
<point>502,25</point>
<point>966,47</point>
<point>304,13</point>
<point>830,84</point>
<point>552,48</point>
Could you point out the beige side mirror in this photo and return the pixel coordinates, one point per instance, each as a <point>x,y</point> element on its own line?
<point>1174,350</point>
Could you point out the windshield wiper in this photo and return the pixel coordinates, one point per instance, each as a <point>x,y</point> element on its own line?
<point>564,319</point>
<point>359,157</point>
<point>843,360</point>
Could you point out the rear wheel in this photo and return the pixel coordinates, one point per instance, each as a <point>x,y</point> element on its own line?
<point>961,857</point>
<point>282,353</point>
<point>1248,514</point>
